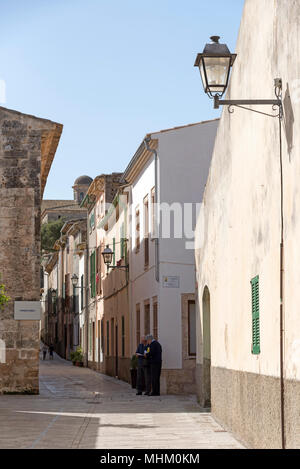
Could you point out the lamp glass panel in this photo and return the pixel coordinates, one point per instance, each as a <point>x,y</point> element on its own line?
<point>217,70</point>
<point>74,280</point>
<point>202,73</point>
<point>107,257</point>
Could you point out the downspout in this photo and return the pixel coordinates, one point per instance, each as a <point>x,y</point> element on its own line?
<point>86,313</point>
<point>282,325</point>
<point>156,239</point>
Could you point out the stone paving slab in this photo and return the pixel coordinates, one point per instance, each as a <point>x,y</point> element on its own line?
<point>79,408</point>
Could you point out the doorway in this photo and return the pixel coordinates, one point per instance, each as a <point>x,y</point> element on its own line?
<point>206,373</point>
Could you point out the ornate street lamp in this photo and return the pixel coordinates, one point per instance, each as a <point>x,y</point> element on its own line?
<point>74,280</point>
<point>215,64</point>
<point>107,257</point>
<point>53,294</point>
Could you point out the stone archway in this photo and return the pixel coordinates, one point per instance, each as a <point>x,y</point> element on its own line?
<point>206,370</point>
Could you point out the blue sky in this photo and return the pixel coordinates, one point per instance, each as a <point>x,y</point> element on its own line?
<point>110,71</point>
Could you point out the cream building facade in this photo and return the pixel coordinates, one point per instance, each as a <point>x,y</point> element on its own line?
<point>96,201</point>
<point>254,392</point>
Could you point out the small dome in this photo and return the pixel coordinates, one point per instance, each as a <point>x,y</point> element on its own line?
<point>83,180</point>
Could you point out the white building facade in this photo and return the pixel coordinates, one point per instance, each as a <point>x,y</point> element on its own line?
<point>167,176</point>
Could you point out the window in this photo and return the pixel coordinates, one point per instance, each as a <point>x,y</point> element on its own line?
<point>192,328</point>
<point>138,324</point>
<point>255,316</point>
<point>137,230</point>
<point>122,240</point>
<point>147,318</point>
<point>153,230</point>
<point>93,274</point>
<point>81,291</point>
<point>67,291</point>
<point>155,320</point>
<point>107,338</point>
<point>74,300</point>
<point>98,276</point>
<point>90,336</point>
<point>146,231</point>
<point>112,338</point>
<point>123,336</point>
<point>102,335</point>
<point>114,251</point>
<point>92,221</point>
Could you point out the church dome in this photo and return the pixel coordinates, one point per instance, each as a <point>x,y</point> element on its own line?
<point>83,180</point>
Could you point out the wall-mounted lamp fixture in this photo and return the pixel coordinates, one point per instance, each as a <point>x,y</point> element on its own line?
<point>108,256</point>
<point>215,63</point>
<point>74,280</point>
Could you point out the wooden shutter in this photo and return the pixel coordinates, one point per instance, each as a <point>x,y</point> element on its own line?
<point>114,251</point>
<point>146,318</point>
<point>122,241</point>
<point>123,336</point>
<point>93,274</point>
<point>255,316</point>
<point>98,279</point>
<point>138,324</point>
<point>155,321</point>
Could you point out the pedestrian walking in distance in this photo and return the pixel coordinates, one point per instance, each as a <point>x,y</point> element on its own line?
<point>143,370</point>
<point>44,350</point>
<point>51,350</point>
<point>154,355</point>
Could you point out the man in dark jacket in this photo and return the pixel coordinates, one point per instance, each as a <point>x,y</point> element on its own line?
<point>143,370</point>
<point>154,355</point>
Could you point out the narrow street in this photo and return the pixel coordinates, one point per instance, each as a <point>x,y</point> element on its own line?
<point>79,408</point>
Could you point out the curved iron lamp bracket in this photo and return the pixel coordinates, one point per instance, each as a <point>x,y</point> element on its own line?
<point>241,103</point>
<point>125,267</point>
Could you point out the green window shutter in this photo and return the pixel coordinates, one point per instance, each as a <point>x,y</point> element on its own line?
<point>255,316</point>
<point>122,241</point>
<point>125,235</point>
<point>114,251</point>
<point>81,292</point>
<point>93,274</point>
<point>90,336</point>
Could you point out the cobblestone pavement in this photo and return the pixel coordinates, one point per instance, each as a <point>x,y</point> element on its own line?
<point>79,408</point>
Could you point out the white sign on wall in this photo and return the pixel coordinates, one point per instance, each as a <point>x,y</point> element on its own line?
<point>171,282</point>
<point>2,351</point>
<point>27,311</point>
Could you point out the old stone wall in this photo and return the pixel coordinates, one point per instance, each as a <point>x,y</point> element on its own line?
<point>24,142</point>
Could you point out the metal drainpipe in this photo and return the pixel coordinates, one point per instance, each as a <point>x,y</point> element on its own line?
<point>282,325</point>
<point>146,142</point>
<point>86,315</point>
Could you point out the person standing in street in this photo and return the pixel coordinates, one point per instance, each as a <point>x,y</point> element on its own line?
<point>147,372</point>
<point>140,370</point>
<point>51,350</point>
<point>44,350</point>
<point>154,355</point>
